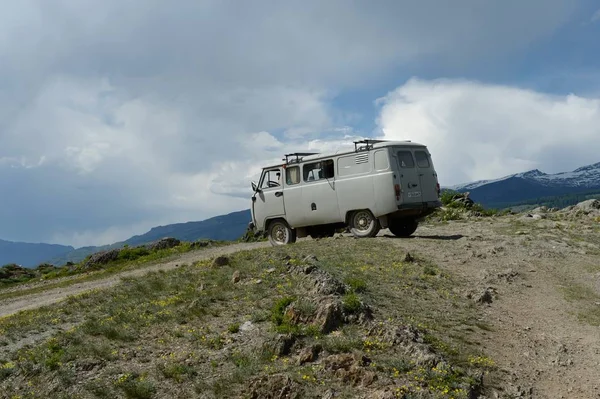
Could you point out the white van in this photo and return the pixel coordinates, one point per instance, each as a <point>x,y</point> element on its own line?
<point>381,184</point>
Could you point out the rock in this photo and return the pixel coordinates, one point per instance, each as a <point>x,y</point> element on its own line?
<point>309,269</point>
<point>486,296</point>
<point>275,386</point>
<point>463,199</point>
<point>309,354</point>
<point>283,344</point>
<point>310,259</point>
<point>329,316</point>
<point>383,394</point>
<point>271,270</point>
<point>235,278</point>
<point>102,258</point>
<point>540,209</point>
<point>411,340</point>
<point>350,368</point>
<point>329,394</point>
<point>247,326</point>
<point>163,243</point>
<point>589,205</point>
<point>508,275</point>
<point>201,244</point>
<point>221,261</point>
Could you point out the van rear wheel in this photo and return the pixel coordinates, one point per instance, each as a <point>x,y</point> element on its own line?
<point>364,224</point>
<point>280,233</point>
<point>403,227</point>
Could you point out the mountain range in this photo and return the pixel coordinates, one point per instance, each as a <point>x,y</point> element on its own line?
<point>227,227</point>
<point>532,185</point>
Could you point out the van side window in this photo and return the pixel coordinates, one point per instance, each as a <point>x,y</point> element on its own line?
<point>292,175</point>
<point>422,159</point>
<point>271,178</point>
<point>318,170</point>
<point>405,159</point>
<point>381,160</point>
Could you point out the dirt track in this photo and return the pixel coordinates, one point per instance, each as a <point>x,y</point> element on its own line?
<point>50,296</point>
<point>542,344</point>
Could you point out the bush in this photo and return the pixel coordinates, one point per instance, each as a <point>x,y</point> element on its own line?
<point>133,253</point>
<point>447,196</point>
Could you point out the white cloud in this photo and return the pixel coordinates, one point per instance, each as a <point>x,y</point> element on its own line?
<point>481,131</point>
<point>117,114</point>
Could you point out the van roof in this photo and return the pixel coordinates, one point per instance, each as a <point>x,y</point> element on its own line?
<point>342,151</point>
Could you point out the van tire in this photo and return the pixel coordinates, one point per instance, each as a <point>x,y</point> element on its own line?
<point>363,224</point>
<point>403,227</point>
<point>280,233</point>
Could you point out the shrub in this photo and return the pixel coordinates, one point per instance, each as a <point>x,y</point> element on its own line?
<point>133,253</point>
<point>356,284</point>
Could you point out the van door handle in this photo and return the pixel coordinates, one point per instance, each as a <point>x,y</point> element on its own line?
<point>278,193</point>
<point>412,185</point>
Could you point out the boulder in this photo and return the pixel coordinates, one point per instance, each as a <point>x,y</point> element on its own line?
<point>101,258</point>
<point>163,243</point>
<point>589,205</point>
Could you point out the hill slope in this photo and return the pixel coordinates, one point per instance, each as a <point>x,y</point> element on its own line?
<point>30,255</point>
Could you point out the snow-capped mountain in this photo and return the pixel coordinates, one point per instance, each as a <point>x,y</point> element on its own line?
<point>584,177</point>
<point>532,184</point>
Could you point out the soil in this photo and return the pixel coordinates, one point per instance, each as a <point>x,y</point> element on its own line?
<point>537,279</point>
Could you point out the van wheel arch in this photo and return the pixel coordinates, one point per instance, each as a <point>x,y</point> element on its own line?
<point>279,232</point>
<point>362,223</point>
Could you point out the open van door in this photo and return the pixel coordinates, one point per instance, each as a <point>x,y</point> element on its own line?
<point>267,201</point>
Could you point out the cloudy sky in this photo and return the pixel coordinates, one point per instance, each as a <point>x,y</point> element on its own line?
<point>120,115</point>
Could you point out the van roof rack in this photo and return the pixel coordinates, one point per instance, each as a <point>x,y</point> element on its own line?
<point>298,156</point>
<point>368,144</point>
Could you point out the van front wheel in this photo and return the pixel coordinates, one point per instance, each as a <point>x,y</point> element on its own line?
<point>403,227</point>
<point>364,224</point>
<point>280,233</point>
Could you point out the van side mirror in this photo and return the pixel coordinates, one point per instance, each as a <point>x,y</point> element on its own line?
<point>254,187</point>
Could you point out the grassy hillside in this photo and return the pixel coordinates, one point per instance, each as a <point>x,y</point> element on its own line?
<point>359,317</point>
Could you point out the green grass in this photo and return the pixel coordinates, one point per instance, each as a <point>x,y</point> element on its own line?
<point>158,334</point>
<point>65,277</point>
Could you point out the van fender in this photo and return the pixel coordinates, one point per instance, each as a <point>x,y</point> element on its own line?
<point>350,212</point>
<point>383,220</point>
<point>272,219</point>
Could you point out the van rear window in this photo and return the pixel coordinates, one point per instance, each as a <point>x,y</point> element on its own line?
<point>405,159</point>
<point>422,159</point>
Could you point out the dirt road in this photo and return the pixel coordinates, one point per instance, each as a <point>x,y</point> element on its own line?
<point>50,296</point>
<point>544,276</point>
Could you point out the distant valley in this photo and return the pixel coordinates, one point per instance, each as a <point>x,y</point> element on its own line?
<point>227,227</point>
